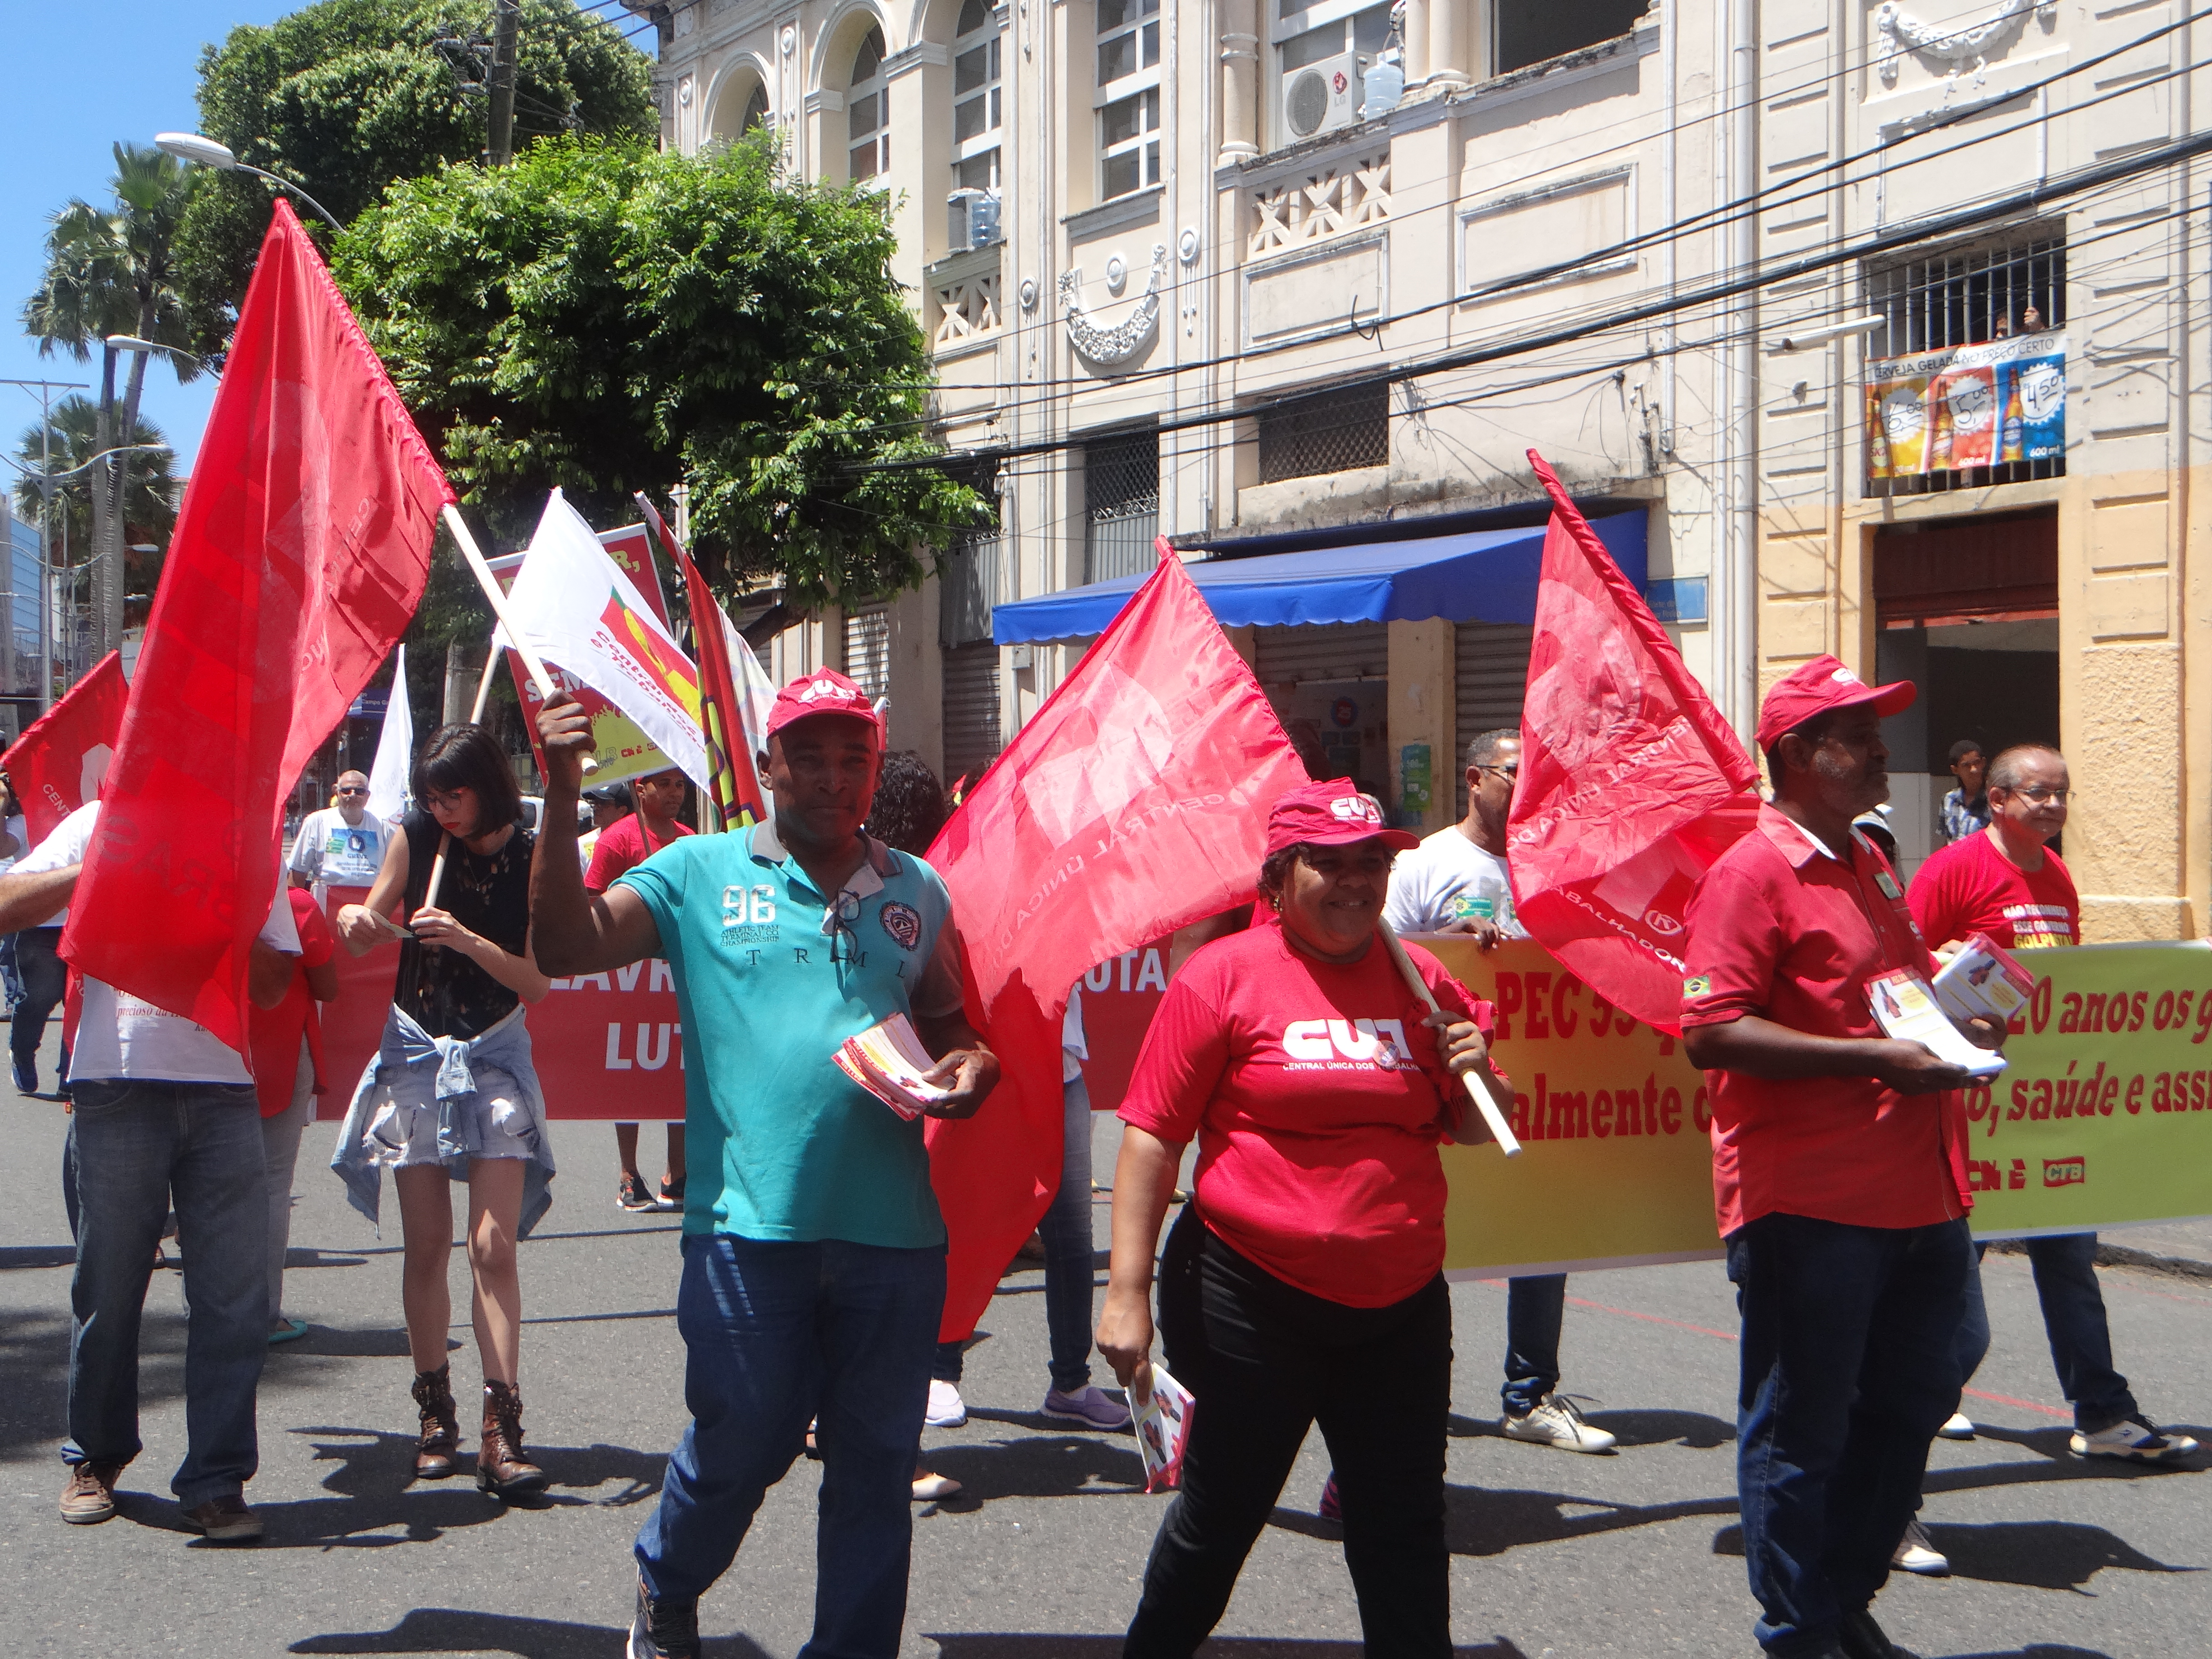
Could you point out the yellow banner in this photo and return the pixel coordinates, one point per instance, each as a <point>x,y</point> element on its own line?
<point>2092,1125</point>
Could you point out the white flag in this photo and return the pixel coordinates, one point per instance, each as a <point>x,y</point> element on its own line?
<point>395,751</point>
<point>575,606</point>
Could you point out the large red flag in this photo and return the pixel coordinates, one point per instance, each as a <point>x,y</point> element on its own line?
<point>298,555</point>
<point>1630,782</point>
<point>1133,803</point>
<point>737,789</point>
<point>58,761</point>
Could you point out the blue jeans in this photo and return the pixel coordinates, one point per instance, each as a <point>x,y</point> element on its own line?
<point>43,977</point>
<point>1848,1369</point>
<point>2065,1266</point>
<point>140,1147</point>
<point>774,1334</point>
<point>1069,1274</point>
<point>1536,1308</point>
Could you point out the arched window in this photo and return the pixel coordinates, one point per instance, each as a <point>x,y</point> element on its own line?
<point>868,123</point>
<point>734,116</point>
<point>976,99</point>
<point>756,109</point>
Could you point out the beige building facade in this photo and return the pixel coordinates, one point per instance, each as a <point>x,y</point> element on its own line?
<point>1209,270</point>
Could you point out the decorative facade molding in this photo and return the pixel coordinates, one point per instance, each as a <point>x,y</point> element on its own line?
<point>1903,34</point>
<point>969,294</point>
<point>1339,194</point>
<point>1108,346</point>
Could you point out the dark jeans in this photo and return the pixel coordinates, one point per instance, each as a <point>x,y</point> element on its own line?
<point>775,1334</point>
<point>1264,1361</point>
<point>45,977</point>
<point>1536,1308</point>
<point>141,1146</point>
<point>1848,1369</point>
<point>11,986</point>
<point>2065,1266</point>
<point>1070,1273</point>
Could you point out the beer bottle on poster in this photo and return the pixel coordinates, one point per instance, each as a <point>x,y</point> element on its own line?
<point>1877,436</point>
<point>2009,435</point>
<point>1939,449</point>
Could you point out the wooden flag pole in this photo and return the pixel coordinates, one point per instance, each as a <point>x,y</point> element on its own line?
<point>1500,1130</point>
<point>475,718</point>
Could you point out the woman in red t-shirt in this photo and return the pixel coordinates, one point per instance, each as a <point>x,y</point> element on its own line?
<point>1304,1283</point>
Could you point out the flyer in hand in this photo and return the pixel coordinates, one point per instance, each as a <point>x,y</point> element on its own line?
<point>888,1062</point>
<point>1904,1007</point>
<point>1982,979</point>
<point>1163,1425</point>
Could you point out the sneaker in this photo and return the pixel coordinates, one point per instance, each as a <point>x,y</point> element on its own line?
<point>671,1195</point>
<point>930,1488</point>
<point>1088,1404</point>
<point>664,1628</point>
<point>947,1410</point>
<point>1914,1553</point>
<point>26,1076</point>
<point>1558,1421</point>
<point>1331,1507</point>
<point>225,1521</point>
<point>632,1195</point>
<point>1958,1427</point>
<point>90,1497</point>
<point>2138,1438</point>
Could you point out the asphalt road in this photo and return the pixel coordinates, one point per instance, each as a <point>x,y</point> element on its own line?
<point>1553,1555</point>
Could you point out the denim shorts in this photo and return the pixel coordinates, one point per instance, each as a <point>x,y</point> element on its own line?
<point>403,1119</point>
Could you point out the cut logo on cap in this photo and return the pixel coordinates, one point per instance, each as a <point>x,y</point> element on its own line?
<point>1844,677</point>
<point>819,689</point>
<point>1355,809</point>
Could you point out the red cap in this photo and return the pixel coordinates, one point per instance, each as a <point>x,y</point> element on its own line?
<point>1331,814</point>
<point>1823,683</point>
<point>825,691</point>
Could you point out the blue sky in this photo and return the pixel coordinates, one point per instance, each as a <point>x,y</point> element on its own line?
<point>58,130</point>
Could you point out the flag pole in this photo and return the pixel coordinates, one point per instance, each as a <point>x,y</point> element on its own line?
<point>474,556</point>
<point>475,718</point>
<point>1500,1130</point>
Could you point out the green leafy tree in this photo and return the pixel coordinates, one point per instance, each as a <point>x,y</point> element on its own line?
<point>150,506</point>
<point>606,318</point>
<point>345,96</point>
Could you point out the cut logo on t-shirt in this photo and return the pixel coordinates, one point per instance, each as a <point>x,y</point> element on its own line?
<point>1340,1045</point>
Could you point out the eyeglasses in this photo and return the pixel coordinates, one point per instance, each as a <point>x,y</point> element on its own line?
<point>1509,773</point>
<point>2043,794</point>
<point>353,792</point>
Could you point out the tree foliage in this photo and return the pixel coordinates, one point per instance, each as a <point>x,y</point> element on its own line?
<point>345,96</point>
<point>608,319</point>
<point>149,507</point>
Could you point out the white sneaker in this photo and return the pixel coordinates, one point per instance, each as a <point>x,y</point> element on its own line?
<point>1960,1427</point>
<point>2137,1438</point>
<point>1916,1554</point>
<point>947,1410</point>
<point>1558,1421</point>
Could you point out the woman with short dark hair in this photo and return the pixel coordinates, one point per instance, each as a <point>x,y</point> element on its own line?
<point>1304,1283</point>
<point>453,1092</point>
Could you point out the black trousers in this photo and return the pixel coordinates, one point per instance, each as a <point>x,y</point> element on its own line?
<point>45,977</point>
<point>1264,1361</point>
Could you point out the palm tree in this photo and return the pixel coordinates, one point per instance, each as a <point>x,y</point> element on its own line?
<point>150,509</point>
<point>113,271</point>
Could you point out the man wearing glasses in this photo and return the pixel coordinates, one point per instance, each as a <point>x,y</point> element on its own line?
<point>1455,882</point>
<point>2005,882</point>
<point>340,846</point>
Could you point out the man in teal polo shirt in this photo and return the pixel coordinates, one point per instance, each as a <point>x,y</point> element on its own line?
<point>813,1252</point>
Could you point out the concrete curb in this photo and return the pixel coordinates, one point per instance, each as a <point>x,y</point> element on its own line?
<point>2121,1255</point>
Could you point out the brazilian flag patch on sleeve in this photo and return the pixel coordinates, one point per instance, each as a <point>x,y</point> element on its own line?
<point>1697,985</point>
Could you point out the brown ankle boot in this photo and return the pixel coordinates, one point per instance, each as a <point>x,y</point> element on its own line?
<point>501,1469</point>
<point>438,1454</point>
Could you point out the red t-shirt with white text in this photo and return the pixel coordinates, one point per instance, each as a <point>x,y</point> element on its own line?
<point>1314,1093</point>
<point>1970,887</point>
<point>622,846</point>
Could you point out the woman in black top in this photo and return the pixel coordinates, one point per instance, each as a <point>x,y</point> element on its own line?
<point>464,975</point>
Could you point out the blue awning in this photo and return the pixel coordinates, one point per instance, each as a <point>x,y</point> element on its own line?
<point>1481,576</point>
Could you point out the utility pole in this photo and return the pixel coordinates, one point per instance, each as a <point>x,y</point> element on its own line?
<point>506,24</point>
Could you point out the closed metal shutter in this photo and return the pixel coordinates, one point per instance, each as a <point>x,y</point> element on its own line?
<point>971,710</point>
<point>1490,672</point>
<point>1326,650</point>
<point>868,649</point>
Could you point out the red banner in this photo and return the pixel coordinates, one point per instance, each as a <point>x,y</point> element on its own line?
<point>58,761</point>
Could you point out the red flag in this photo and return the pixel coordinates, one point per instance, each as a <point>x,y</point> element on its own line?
<point>1630,782</point>
<point>1133,803</point>
<point>299,555</point>
<point>736,790</point>
<point>56,765</point>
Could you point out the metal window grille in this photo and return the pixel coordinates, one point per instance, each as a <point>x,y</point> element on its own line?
<point>868,649</point>
<point>1120,505</point>
<point>1969,297</point>
<point>968,583</point>
<point>1330,431</point>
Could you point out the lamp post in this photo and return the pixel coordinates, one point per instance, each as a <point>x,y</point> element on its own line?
<point>193,147</point>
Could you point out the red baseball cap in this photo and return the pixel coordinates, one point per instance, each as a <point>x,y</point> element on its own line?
<point>825,691</point>
<point>1331,814</point>
<point>1823,683</point>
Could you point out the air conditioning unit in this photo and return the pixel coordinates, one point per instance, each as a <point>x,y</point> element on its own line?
<point>1324,96</point>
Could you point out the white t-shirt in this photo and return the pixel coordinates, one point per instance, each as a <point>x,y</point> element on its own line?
<point>336,854</point>
<point>1446,878</point>
<point>21,831</point>
<point>120,1035</point>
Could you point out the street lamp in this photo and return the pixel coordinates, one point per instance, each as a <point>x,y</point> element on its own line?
<point>132,343</point>
<point>191,147</point>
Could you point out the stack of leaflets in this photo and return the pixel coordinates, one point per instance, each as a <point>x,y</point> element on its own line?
<point>1904,1007</point>
<point>888,1062</point>
<point>1163,1425</point>
<point>1983,980</point>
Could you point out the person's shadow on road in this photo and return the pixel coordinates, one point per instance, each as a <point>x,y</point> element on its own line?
<point>2036,1554</point>
<point>454,1630</point>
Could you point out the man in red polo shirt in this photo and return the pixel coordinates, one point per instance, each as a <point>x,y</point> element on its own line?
<point>1838,1174</point>
<point>2005,882</point>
